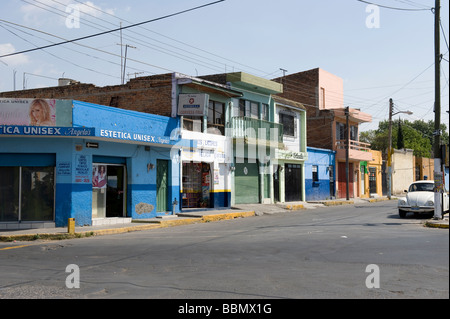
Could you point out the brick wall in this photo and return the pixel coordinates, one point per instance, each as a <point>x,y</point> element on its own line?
<point>152,94</point>
<point>302,87</point>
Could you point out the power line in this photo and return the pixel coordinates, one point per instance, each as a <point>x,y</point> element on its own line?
<point>393,8</point>
<point>110,31</point>
<point>172,39</point>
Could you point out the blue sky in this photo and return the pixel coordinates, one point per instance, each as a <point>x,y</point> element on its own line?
<point>394,60</point>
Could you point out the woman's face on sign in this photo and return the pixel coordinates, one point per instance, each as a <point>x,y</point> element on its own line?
<point>37,113</point>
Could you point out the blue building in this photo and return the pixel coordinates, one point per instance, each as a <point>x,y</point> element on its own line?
<point>320,174</point>
<point>62,159</point>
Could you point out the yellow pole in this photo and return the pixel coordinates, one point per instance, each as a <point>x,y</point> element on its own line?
<point>71,226</point>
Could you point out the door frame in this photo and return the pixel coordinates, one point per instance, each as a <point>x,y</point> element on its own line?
<point>125,186</point>
<point>166,205</point>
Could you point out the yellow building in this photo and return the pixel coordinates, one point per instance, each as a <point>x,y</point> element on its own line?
<point>371,175</point>
<point>424,168</point>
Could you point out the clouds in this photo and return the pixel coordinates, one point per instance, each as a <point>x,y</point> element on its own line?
<point>14,60</point>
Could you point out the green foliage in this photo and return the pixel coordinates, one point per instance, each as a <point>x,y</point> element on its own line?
<point>417,135</point>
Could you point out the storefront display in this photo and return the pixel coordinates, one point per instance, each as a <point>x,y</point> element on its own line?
<point>81,166</point>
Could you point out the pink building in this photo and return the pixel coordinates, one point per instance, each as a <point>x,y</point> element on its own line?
<point>322,93</point>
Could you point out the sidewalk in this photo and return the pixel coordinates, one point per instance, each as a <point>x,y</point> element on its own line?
<point>186,217</point>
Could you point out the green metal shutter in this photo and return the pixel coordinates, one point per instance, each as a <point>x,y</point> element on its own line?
<point>246,181</point>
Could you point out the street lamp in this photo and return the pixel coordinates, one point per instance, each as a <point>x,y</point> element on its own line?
<point>391,114</point>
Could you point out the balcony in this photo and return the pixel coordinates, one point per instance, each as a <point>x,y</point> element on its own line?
<point>255,131</point>
<point>358,151</point>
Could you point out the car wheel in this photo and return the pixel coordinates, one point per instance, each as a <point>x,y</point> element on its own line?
<point>402,213</point>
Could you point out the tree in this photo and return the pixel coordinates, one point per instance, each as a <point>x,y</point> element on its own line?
<point>417,135</point>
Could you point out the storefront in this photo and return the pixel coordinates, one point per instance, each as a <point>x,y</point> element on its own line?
<point>320,174</point>
<point>205,171</point>
<point>90,162</point>
<point>289,175</point>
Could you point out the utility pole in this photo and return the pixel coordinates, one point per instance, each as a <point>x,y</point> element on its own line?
<point>121,53</point>
<point>347,147</point>
<point>124,66</point>
<point>438,176</point>
<point>389,163</point>
<point>284,75</point>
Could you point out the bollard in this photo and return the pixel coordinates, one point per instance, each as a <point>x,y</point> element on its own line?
<point>71,226</point>
<point>174,205</point>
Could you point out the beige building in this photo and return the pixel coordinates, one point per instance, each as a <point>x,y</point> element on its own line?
<point>402,170</point>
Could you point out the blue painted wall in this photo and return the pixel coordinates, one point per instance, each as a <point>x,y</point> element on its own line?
<point>73,187</point>
<point>323,159</point>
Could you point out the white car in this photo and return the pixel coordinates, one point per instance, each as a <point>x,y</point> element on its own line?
<point>420,199</point>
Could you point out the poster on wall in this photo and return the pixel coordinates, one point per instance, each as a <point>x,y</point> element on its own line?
<point>29,112</point>
<point>99,176</point>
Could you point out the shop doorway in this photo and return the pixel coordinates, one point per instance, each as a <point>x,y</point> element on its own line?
<point>372,180</point>
<point>342,180</point>
<point>292,182</point>
<point>108,191</point>
<point>196,185</point>
<point>276,184</point>
<point>162,185</point>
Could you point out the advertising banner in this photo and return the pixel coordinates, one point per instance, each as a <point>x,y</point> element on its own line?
<point>35,112</point>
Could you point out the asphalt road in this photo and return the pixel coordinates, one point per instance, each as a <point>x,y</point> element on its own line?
<point>320,253</point>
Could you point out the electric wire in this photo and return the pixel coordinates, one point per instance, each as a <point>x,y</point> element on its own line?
<point>393,8</point>
<point>172,39</point>
<point>109,31</point>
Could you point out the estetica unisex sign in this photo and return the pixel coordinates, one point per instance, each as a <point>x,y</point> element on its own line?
<point>46,131</point>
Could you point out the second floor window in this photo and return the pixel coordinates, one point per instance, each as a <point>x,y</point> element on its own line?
<point>354,133</point>
<point>265,112</point>
<point>288,122</point>
<point>216,118</point>
<point>340,131</point>
<point>248,109</point>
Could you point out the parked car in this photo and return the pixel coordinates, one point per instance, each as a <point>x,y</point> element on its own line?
<point>420,199</point>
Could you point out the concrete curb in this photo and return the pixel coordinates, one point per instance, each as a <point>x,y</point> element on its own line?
<point>338,202</point>
<point>294,207</point>
<point>120,230</point>
<point>436,224</point>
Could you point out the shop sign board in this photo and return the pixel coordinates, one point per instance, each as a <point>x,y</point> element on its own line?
<point>12,130</point>
<point>193,104</point>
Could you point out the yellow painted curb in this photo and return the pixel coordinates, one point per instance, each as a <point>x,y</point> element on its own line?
<point>120,230</point>
<point>436,225</point>
<point>179,222</point>
<point>338,202</point>
<point>295,207</point>
<point>212,218</point>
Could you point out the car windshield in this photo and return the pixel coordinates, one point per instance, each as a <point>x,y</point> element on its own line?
<point>421,187</point>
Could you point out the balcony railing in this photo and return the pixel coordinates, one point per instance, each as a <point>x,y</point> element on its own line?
<point>249,128</point>
<point>357,151</point>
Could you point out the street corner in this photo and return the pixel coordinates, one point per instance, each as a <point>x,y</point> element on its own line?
<point>438,223</point>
